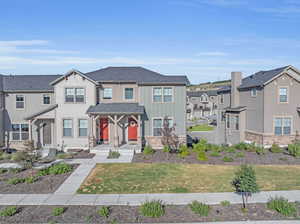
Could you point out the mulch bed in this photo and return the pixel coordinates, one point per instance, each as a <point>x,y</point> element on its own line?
<point>44,185</point>
<point>127,214</point>
<point>250,158</point>
<point>83,155</point>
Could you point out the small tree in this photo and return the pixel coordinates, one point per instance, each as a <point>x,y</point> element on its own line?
<point>169,138</point>
<point>245,182</point>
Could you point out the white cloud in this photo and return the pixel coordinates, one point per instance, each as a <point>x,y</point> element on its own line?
<point>17,43</point>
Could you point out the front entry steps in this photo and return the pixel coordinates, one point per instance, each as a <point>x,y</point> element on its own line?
<point>104,150</point>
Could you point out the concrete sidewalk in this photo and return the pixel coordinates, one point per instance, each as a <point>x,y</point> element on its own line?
<point>138,199</point>
<point>251,222</point>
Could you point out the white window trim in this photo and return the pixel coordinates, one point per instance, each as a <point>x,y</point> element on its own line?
<point>282,117</point>
<point>287,94</point>
<point>254,95</point>
<point>46,94</point>
<point>162,118</point>
<point>20,132</point>
<point>24,101</point>
<point>62,124</point>
<point>78,128</point>
<point>133,94</point>
<point>112,93</point>
<point>75,102</point>
<point>162,94</point>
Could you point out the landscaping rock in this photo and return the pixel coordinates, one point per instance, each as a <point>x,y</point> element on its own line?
<point>10,166</point>
<point>41,166</point>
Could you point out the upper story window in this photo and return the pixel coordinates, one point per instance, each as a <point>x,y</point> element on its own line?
<point>46,99</point>
<point>74,95</point>
<point>283,97</point>
<point>107,93</point>
<point>254,92</point>
<point>20,132</point>
<point>162,94</point>
<point>283,126</point>
<point>128,93</point>
<point>20,101</point>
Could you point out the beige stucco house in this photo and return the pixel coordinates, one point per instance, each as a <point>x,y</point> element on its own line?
<point>261,108</point>
<point>110,107</point>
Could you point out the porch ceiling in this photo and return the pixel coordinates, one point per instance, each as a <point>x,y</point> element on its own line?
<point>116,108</point>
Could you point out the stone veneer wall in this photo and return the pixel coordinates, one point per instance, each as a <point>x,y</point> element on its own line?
<point>155,142</point>
<point>254,137</point>
<point>269,139</point>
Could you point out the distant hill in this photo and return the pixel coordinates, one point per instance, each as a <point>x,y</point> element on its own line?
<point>209,85</point>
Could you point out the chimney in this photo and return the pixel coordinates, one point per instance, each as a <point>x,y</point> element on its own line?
<point>236,81</point>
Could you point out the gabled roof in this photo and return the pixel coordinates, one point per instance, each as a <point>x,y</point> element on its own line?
<point>262,77</point>
<point>41,112</point>
<point>69,73</point>
<point>134,74</point>
<point>116,108</point>
<point>28,82</point>
<point>200,93</point>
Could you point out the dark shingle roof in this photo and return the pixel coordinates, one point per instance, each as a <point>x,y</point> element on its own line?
<point>200,93</point>
<point>41,112</point>
<point>134,74</point>
<point>28,82</point>
<point>116,108</point>
<point>260,78</point>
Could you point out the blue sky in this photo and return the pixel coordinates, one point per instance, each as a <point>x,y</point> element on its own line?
<point>203,39</point>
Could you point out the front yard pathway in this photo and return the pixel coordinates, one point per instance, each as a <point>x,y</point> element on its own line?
<point>138,199</point>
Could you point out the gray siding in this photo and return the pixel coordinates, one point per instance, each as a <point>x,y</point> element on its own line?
<point>255,108</point>
<point>176,109</point>
<point>1,120</point>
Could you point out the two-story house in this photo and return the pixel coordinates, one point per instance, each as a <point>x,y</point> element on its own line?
<point>201,104</point>
<point>113,106</point>
<point>261,108</point>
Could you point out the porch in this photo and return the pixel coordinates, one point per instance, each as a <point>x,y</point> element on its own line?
<point>115,126</point>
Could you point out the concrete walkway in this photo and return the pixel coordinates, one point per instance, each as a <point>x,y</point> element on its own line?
<point>252,222</point>
<point>138,199</point>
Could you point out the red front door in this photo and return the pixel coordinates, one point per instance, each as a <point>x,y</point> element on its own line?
<point>104,129</point>
<point>132,130</point>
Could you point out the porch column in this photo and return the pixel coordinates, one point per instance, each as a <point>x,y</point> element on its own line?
<point>116,143</point>
<point>30,130</point>
<point>139,134</point>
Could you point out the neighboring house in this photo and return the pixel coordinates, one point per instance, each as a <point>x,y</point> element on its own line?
<point>262,108</point>
<point>201,104</point>
<point>111,106</point>
<point>1,112</point>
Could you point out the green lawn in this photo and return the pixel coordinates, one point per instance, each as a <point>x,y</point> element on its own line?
<point>182,178</point>
<point>202,127</point>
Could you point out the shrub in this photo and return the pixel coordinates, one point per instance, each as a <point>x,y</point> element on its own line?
<point>230,149</point>
<point>8,211</point>
<point>215,154</point>
<point>15,170</point>
<point>113,155</point>
<point>227,159</point>
<point>282,206</point>
<point>225,203</point>
<point>260,150</point>
<point>31,179</point>
<point>19,156</point>
<point>58,211</point>
<point>213,147</point>
<point>153,209</point>
<point>5,156</point>
<point>183,151</point>
<point>2,170</point>
<point>294,150</point>
<point>200,146</point>
<point>202,156</point>
<point>245,182</point>
<point>104,211</point>
<point>148,150</point>
<point>56,169</point>
<point>240,154</point>
<point>16,181</point>
<point>243,146</point>
<point>166,149</point>
<point>200,208</point>
<point>275,148</point>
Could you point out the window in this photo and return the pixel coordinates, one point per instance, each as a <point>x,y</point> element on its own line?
<point>83,127</point>
<point>157,126</point>
<point>253,92</point>
<point>236,122</point>
<point>20,102</point>
<point>228,121</point>
<point>107,93</point>
<point>157,94</point>
<point>74,95</point>
<point>283,98</point>
<point>283,126</point>
<point>162,94</point>
<point>67,128</point>
<point>128,93</point>
<point>168,94</point>
<point>46,99</point>
<point>20,132</point>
